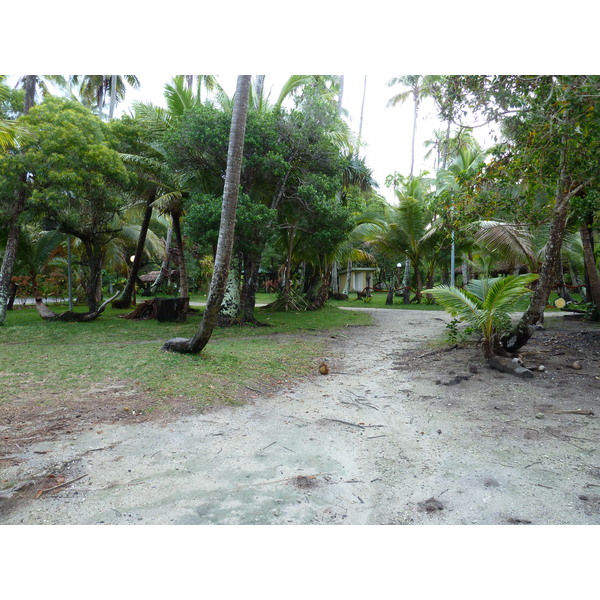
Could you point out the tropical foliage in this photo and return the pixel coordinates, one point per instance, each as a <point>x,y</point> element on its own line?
<point>486,305</point>
<point>142,193</point>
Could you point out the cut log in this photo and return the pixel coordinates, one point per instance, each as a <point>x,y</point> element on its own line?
<point>70,316</point>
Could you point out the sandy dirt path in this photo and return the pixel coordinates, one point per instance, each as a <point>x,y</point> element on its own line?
<point>385,438</point>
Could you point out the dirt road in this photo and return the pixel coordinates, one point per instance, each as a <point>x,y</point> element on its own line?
<point>394,434</point>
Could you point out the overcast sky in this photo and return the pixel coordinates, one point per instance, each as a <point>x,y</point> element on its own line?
<point>381,39</point>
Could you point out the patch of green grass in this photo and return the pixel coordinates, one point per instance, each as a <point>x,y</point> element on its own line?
<point>261,298</point>
<point>378,301</point>
<point>54,357</point>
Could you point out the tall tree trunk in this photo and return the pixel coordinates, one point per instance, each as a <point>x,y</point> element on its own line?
<point>231,306</point>
<point>287,278</point>
<point>113,97</point>
<point>335,282</point>
<point>340,96</point>
<point>30,85</point>
<point>590,265</point>
<point>405,281</point>
<point>561,288</point>
<point>414,136</point>
<point>183,280</point>
<point>226,230</point>
<point>465,273</point>
<point>125,300</point>
<point>260,85</point>
<point>362,112</point>
<point>251,267</point>
<point>418,283</point>
<point>12,241</point>
<point>100,98</point>
<point>535,312</point>
<point>323,292</point>
<point>347,285</point>
<point>10,253</point>
<point>166,263</point>
<point>574,276</point>
<point>94,259</point>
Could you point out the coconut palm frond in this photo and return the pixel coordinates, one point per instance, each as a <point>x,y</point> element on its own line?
<point>511,242</point>
<point>291,85</point>
<point>503,292</point>
<point>458,302</point>
<point>156,119</point>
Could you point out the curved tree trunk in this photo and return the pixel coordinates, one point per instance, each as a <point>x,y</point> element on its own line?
<point>69,316</point>
<point>125,300</point>
<point>226,230</point>
<point>535,312</point>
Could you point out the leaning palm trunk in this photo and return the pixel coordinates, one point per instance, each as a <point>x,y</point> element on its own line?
<point>226,230</point>
<point>535,312</point>
<point>125,300</point>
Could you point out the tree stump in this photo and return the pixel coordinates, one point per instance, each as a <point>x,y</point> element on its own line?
<point>161,309</point>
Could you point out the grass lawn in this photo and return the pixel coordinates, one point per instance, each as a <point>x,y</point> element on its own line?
<point>52,357</point>
<point>378,301</point>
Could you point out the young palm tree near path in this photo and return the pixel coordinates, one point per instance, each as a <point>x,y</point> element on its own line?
<point>485,304</point>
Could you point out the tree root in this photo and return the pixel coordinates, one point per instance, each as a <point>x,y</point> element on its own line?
<point>513,366</point>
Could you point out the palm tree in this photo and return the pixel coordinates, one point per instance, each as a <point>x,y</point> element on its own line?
<point>485,304</point>
<point>94,90</point>
<point>408,232</point>
<point>225,243</point>
<point>419,87</point>
<point>34,84</point>
<point>209,82</point>
<point>173,188</point>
